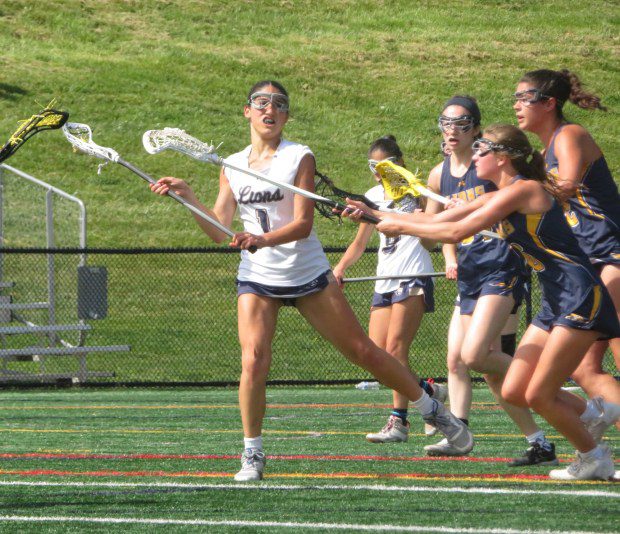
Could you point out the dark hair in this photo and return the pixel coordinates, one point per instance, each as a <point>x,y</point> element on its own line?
<point>467,102</point>
<point>526,160</point>
<point>265,83</point>
<point>562,85</point>
<point>387,144</point>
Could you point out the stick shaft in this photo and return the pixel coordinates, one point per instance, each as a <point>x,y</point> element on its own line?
<point>443,200</point>
<point>178,198</point>
<point>393,277</point>
<point>308,194</point>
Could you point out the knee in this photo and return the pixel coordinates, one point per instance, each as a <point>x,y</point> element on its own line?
<point>474,358</point>
<point>397,348</point>
<point>456,366</point>
<point>538,400</point>
<point>513,395</point>
<point>255,362</point>
<point>366,355</point>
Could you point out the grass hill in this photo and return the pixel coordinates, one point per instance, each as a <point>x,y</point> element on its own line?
<point>355,70</point>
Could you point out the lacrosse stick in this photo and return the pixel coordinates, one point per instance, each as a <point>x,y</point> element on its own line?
<point>399,182</point>
<point>48,119</point>
<point>393,277</point>
<point>325,187</point>
<point>156,141</point>
<point>81,137</point>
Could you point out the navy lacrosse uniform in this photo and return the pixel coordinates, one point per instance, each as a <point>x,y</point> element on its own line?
<point>573,293</point>
<point>593,213</point>
<point>486,266</point>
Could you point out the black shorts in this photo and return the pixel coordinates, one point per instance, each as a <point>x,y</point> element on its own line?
<point>287,294</point>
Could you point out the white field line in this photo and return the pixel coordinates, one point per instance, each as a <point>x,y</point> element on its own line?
<point>316,487</point>
<point>272,524</point>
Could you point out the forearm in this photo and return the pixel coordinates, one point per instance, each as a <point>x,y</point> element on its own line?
<point>294,231</point>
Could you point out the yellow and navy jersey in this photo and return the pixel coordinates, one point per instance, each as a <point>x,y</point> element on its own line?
<point>478,256</point>
<point>593,213</point>
<point>573,294</point>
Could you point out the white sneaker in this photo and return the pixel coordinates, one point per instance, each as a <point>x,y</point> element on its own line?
<point>252,465</point>
<point>443,448</point>
<point>394,431</point>
<point>588,469</point>
<point>608,414</point>
<point>441,394</point>
<point>457,434</point>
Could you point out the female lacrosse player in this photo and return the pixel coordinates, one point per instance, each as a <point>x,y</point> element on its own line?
<point>289,268</point>
<point>490,280</point>
<point>398,305</point>
<point>576,308</point>
<point>588,192</point>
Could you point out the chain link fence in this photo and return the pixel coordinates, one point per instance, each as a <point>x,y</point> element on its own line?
<point>169,317</point>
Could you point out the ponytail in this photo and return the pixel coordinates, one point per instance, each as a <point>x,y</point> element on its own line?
<point>562,85</point>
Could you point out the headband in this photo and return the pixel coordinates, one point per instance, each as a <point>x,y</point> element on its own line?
<point>468,104</point>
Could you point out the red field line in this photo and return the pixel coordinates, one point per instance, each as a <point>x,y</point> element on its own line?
<point>323,457</point>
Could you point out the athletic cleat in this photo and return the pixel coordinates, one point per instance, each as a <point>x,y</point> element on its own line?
<point>457,434</point>
<point>536,455</point>
<point>394,431</point>
<point>252,465</point>
<point>440,393</point>
<point>587,469</point>
<point>443,448</point>
<point>609,413</point>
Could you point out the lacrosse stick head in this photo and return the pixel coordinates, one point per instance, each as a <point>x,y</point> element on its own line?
<point>156,141</point>
<point>400,184</point>
<point>325,187</point>
<point>81,138</point>
<point>48,119</point>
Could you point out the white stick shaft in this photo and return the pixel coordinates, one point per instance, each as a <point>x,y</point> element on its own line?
<point>393,277</point>
<point>431,194</point>
<point>179,199</point>
<point>260,176</point>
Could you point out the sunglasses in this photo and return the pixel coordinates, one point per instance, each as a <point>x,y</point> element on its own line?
<point>261,100</point>
<point>372,163</point>
<point>529,97</point>
<point>483,146</point>
<point>463,123</point>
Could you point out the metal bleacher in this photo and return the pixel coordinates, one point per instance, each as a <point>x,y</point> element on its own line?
<point>31,336</point>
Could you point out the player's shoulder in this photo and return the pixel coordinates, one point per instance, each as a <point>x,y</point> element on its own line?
<point>434,177</point>
<point>376,193</point>
<point>572,132</point>
<point>240,156</point>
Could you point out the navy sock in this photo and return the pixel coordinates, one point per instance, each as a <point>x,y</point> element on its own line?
<point>426,386</point>
<point>465,421</point>
<point>400,413</point>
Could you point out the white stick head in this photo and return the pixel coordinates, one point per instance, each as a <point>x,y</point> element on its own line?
<point>156,141</point>
<point>81,137</point>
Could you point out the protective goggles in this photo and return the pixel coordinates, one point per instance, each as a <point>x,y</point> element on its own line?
<point>261,100</point>
<point>464,123</point>
<point>483,146</point>
<point>372,163</point>
<point>529,97</point>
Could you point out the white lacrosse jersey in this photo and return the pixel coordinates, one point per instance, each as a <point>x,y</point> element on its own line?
<point>403,254</point>
<point>264,207</point>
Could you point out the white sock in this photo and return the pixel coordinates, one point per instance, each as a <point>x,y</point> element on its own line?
<point>591,412</point>
<point>596,452</point>
<point>424,404</point>
<point>253,443</point>
<point>536,437</point>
